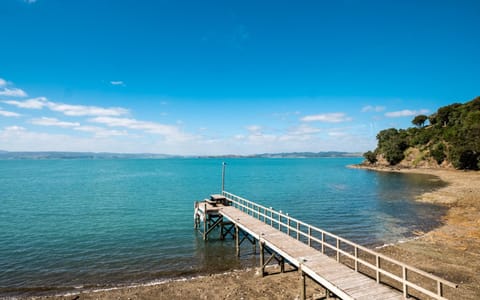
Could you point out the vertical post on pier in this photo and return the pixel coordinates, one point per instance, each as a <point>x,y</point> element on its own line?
<point>205,217</point>
<point>223,176</point>
<point>404,282</point>
<point>262,257</point>
<point>303,287</point>
<point>237,240</point>
<point>282,265</point>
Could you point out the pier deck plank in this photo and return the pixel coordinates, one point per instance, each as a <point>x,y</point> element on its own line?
<point>336,277</point>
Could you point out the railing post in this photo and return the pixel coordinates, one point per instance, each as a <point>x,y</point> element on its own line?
<point>377,263</point>
<point>309,236</point>
<point>298,231</point>
<point>356,259</point>
<point>404,283</point>
<point>338,250</point>
<point>323,242</point>
<point>271,216</point>
<point>439,288</point>
<point>288,225</point>
<point>280,220</point>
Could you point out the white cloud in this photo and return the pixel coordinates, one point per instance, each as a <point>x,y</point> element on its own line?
<point>34,103</point>
<point>3,82</point>
<point>304,129</point>
<point>406,113</point>
<point>168,131</point>
<point>68,109</point>
<point>254,129</point>
<point>13,92</point>
<point>5,113</point>
<point>81,110</point>
<point>337,134</point>
<point>44,121</point>
<point>370,108</point>
<point>101,132</point>
<point>13,128</point>
<point>327,118</point>
<point>118,82</point>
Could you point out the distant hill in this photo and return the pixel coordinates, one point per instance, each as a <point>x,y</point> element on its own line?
<point>307,154</point>
<point>78,155</point>
<point>92,155</point>
<point>451,140</point>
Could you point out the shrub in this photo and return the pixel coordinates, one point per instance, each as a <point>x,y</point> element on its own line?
<point>370,156</point>
<point>438,153</point>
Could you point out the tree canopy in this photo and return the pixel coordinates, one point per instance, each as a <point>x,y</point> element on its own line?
<point>419,120</point>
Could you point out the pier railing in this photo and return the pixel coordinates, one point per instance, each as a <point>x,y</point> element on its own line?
<point>380,267</point>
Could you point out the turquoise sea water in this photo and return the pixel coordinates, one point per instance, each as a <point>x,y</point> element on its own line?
<point>74,224</point>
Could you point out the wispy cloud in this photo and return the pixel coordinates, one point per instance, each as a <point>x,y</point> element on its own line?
<point>13,92</point>
<point>370,108</point>
<point>303,129</point>
<point>82,110</point>
<point>406,113</point>
<point>30,1</point>
<point>327,118</point>
<point>255,129</point>
<point>5,113</point>
<point>34,103</point>
<point>117,82</point>
<point>101,132</point>
<point>68,109</point>
<point>168,131</point>
<point>3,82</point>
<point>44,121</point>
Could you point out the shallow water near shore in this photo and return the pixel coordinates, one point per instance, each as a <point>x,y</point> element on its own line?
<point>68,225</point>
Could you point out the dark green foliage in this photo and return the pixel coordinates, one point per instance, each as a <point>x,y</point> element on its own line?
<point>438,152</point>
<point>392,143</point>
<point>370,156</point>
<point>453,134</point>
<point>419,120</point>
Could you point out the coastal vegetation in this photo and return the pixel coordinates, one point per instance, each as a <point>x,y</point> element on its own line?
<point>451,139</point>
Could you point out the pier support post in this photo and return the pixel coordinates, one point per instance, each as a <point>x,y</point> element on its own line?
<point>205,222</point>
<point>237,240</point>
<point>282,265</point>
<point>303,285</point>
<point>262,258</point>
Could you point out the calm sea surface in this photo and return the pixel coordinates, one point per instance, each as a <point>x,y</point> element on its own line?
<point>74,224</point>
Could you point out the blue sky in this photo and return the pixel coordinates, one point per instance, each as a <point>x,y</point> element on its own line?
<point>228,77</point>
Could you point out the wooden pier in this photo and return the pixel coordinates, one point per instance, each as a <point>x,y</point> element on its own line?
<point>346,270</point>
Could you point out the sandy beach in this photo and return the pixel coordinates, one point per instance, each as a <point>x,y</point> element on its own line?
<point>451,251</point>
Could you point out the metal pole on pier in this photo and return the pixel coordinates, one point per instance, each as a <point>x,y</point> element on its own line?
<point>223,175</point>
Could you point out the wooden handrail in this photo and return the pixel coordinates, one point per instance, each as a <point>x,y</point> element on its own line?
<point>277,219</point>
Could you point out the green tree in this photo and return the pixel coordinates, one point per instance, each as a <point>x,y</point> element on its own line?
<point>370,156</point>
<point>419,120</point>
<point>392,144</point>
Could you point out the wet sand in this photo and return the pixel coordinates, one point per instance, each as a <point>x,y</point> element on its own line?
<point>451,251</point>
